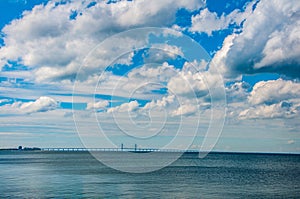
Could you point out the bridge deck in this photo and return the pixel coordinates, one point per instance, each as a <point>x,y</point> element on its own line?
<point>117,149</point>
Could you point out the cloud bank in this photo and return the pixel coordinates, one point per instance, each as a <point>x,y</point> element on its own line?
<point>268,42</point>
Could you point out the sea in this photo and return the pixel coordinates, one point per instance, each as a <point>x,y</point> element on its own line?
<point>40,174</point>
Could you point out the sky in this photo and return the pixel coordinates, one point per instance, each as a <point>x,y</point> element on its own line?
<point>204,75</point>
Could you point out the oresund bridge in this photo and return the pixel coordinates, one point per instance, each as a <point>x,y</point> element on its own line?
<point>141,150</point>
<point>114,149</point>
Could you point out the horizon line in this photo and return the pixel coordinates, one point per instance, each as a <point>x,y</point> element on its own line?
<point>135,149</point>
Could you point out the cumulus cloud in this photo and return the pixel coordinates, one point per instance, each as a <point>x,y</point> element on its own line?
<point>162,52</point>
<point>157,13</point>
<point>161,103</point>
<point>186,110</point>
<point>146,82</point>
<point>237,92</point>
<point>54,44</point>
<point>279,110</point>
<point>269,41</point>
<point>160,73</point>
<point>169,104</point>
<point>125,107</point>
<point>195,66</point>
<point>274,91</point>
<point>42,104</point>
<point>273,99</point>
<point>188,84</point>
<point>97,105</point>
<point>209,22</point>
<point>218,61</point>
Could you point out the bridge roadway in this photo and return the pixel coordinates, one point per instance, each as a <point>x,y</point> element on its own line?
<point>118,150</point>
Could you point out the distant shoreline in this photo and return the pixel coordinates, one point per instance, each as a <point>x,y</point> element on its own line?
<point>22,149</point>
<point>76,150</point>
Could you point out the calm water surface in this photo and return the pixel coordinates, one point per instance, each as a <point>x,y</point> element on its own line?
<point>79,175</point>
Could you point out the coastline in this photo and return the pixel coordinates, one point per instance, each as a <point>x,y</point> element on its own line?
<point>114,150</point>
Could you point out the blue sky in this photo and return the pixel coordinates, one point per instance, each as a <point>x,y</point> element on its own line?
<point>180,74</point>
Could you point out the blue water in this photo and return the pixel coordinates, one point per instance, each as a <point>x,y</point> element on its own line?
<point>79,175</point>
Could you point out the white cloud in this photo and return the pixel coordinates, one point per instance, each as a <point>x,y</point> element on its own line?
<point>4,101</point>
<point>55,46</point>
<point>219,58</point>
<point>151,13</point>
<point>188,84</point>
<point>186,109</point>
<point>175,31</point>
<point>273,99</point>
<point>42,104</point>
<point>195,66</point>
<point>209,22</point>
<point>125,107</point>
<point>161,103</point>
<point>269,41</point>
<point>97,105</point>
<point>162,52</point>
<point>274,91</point>
<point>125,59</point>
<point>237,92</point>
<point>146,82</point>
<point>160,73</point>
<point>279,110</point>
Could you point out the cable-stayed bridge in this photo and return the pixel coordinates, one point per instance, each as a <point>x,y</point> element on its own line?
<point>135,149</point>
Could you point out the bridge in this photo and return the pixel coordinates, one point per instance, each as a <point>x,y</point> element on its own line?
<point>141,150</point>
